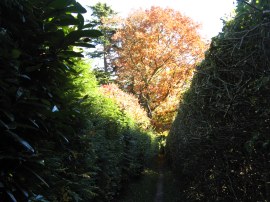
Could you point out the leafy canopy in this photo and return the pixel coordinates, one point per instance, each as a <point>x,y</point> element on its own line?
<point>156,56</point>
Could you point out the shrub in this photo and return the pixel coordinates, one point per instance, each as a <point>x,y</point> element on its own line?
<point>128,103</point>
<point>219,142</point>
<point>61,140</point>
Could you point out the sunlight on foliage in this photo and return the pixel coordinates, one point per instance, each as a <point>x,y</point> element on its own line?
<point>61,139</point>
<point>127,102</point>
<point>157,53</point>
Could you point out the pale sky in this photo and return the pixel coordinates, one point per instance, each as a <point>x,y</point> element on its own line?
<point>206,12</point>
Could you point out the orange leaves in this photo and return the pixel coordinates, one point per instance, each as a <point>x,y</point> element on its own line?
<point>159,49</point>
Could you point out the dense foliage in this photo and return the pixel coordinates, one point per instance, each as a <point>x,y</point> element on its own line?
<point>219,145</point>
<point>157,53</point>
<point>128,103</point>
<point>61,140</point>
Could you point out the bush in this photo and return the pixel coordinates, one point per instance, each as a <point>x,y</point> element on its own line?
<point>219,142</point>
<point>118,145</point>
<point>61,140</point>
<point>128,103</point>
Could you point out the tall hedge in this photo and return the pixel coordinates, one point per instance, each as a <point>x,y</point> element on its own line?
<point>61,140</point>
<point>219,144</point>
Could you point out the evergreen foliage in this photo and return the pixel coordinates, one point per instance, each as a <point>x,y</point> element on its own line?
<point>219,143</point>
<point>103,20</point>
<point>61,140</point>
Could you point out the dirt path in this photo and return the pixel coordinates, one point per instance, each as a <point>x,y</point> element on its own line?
<point>160,191</point>
<point>156,184</point>
<point>159,194</point>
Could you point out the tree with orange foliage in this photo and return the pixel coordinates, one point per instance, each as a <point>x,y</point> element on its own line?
<point>158,50</point>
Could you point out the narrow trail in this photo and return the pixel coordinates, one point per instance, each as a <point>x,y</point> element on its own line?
<point>157,184</point>
<point>160,192</point>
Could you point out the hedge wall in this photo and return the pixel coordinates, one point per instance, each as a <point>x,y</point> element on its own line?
<point>219,145</point>
<point>61,140</point>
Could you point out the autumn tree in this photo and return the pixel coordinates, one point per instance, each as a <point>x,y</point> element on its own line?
<point>158,50</point>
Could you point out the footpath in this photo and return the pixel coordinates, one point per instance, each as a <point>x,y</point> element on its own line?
<point>157,184</point>
<point>160,192</point>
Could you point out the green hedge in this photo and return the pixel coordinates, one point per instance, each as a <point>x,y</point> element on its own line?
<point>219,144</point>
<point>61,140</point>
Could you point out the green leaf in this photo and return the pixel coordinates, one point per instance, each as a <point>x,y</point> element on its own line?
<point>69,68</point>
<point>34,123</point>
<point>3,124</point>
<point>37,176</point>
<point>65,20</point>
<point>21,141</point>
<point>89,25</point>
<point>38,198</point>
<point>81,21</point>
<point>83,99</point>
<point>25,76</point>
<point>11,196</point>
<point>64,137</point>
<point>74,36</point>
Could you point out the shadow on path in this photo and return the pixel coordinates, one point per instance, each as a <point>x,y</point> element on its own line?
<point>157,184</point>
<point>160,191</point>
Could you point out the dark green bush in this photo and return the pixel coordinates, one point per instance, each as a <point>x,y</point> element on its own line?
<point>219,142</point>
<point>118,147</point>
<point>61,140</point>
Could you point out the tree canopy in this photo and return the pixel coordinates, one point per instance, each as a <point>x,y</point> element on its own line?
<point>158,50</point>
<point>102,18</point>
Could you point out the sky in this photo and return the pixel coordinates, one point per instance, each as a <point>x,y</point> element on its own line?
<point>206,12</point>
